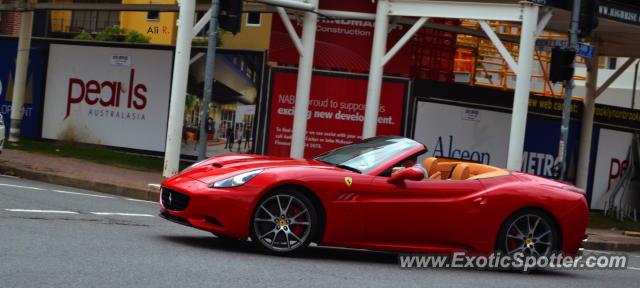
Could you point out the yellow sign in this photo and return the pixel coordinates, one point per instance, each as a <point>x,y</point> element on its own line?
<point>348,180</point>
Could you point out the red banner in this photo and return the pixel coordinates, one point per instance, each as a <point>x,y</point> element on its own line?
<point>341,44</point>
<point>336,111</point>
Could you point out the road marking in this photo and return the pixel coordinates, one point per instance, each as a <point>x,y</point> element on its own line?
<point>597,251</point>
<point>82,194</point>
<point>138,200</point>
<point>41,211</point>
<point>634,268</point>
<point>120,214</point>
<point>18,186</point>
<point>9,176</point>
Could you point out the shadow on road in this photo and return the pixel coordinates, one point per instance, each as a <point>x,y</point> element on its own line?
<point>326,253</point>
<point>337,254</point>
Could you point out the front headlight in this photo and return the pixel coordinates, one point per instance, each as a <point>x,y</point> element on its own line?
<point>237,180</point>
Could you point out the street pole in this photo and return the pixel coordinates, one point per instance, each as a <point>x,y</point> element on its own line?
<point>303,87</point>
<point>586,129</point>
<point>208,81</point>
<point>568,86</point>
<point>523,85</point>
<point>20,82</point>
<point>635,86</point>
<point>179,87</point>
<point>376,70</point>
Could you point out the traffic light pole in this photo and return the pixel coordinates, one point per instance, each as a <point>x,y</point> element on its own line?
<point>208,81</point>
<point>568,86</point>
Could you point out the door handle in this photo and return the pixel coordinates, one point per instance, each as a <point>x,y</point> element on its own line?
<point>480,200</point>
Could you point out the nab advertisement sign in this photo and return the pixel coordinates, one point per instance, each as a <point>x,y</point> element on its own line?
<point>336,111</point>
<point>33,95</point>
<point>109,96</point>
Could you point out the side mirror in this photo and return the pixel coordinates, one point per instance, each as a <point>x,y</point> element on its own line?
<point>412,173</point>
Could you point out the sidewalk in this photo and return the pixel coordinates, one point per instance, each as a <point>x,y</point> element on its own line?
<point>80,174</point>
<point>135,184</point>
<point>601,239</point>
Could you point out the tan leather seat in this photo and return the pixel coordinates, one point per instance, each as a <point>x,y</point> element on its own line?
<point>431,165</point>
<point>461,172</point>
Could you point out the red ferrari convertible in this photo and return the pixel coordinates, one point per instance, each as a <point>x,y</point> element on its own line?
<point>370,195</point>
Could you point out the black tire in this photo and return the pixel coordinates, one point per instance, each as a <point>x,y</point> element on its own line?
<point>279,236</point>
<point>543,241</point>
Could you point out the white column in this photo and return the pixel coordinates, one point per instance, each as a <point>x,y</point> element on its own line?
<point>586,130</point>
<point>179,88</point>
<point>303,88</point>
<point>376,70</point>
<point>523,86</point>
<point>20,82</point>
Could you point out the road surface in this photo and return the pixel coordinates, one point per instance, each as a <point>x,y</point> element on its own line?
<point>55,236</point>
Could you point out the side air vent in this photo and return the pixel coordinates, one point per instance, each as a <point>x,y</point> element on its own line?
<point>347,196</point>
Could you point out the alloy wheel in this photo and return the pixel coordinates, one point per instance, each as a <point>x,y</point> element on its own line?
<point>283,222</point>
<point>530,234</point>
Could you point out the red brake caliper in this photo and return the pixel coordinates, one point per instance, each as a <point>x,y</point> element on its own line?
<point>512,243</point>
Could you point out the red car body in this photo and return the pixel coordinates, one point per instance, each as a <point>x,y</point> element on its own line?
<point>371,213</point>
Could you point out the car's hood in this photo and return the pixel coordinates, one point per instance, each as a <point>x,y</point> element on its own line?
<point>224,166</point>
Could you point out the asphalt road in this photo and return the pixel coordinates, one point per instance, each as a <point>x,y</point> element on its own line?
<point>54,236</point>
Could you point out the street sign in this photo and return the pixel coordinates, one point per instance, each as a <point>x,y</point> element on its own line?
<point>547,44</point>
<point>585,50</point>
<point>539,2</point>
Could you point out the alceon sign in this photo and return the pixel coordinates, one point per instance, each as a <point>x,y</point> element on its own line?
<point>108,96</point>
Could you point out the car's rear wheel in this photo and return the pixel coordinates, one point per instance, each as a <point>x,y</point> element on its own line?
<point>284,222</point>
<point>530,232</point>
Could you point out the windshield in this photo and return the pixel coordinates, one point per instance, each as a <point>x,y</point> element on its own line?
<point>367,155</point>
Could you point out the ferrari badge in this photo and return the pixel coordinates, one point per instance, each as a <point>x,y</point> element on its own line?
<point>348,181</point>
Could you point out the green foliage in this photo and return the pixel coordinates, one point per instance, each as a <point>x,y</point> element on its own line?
<point>110,33</point>
<point>136,37</point>
<point>83,36</point>
<point>191,102</point>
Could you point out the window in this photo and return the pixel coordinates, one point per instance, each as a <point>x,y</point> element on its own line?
<point>254,19</point>
<point>92,20</point>
<point>613,63</point>
<point>153,16</point>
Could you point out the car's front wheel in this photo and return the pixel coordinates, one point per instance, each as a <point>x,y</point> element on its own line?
<point>284,222</point>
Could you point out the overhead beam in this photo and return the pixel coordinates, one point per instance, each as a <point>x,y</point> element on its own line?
<point>297,5</point>
<point>291,31</point>
<point>201,23</point>
<point>544,21</point>
<point>464,10</point>
<point>614,76</point>
<point>496,42</point>
<point>405,38</point>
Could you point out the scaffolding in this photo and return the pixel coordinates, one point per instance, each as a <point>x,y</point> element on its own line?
<point>478,62</point>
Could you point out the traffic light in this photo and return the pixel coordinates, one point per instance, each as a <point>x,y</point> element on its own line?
<point>588,17</point>
<point>230,17</point>
<point>561,68</point>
